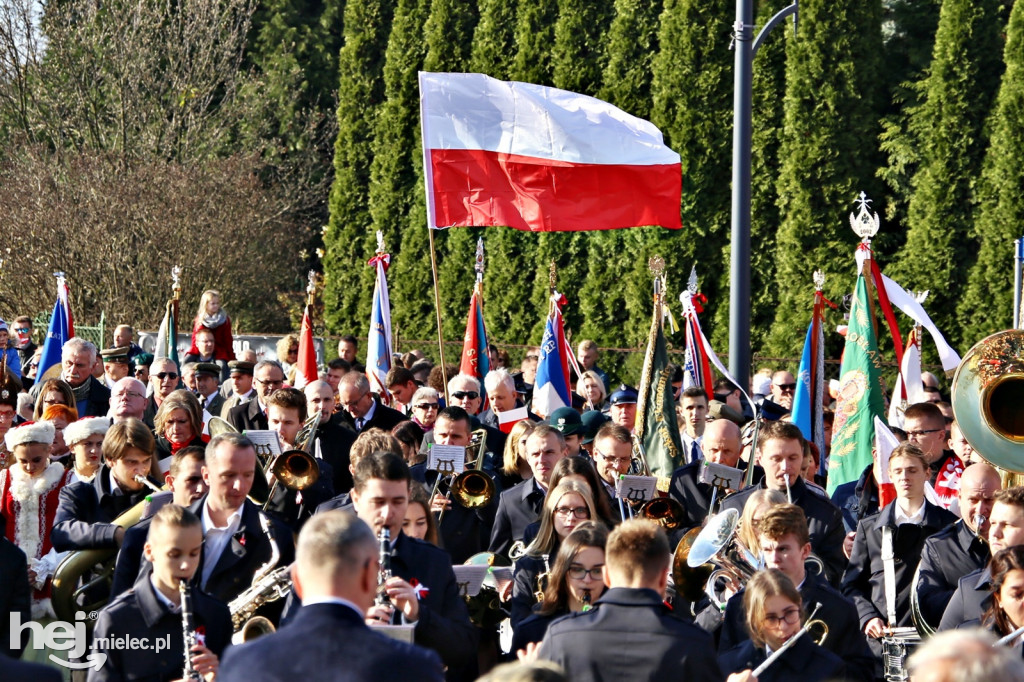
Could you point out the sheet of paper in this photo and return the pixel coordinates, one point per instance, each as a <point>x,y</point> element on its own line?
<point>469,578</point>
<point>636,488</point>
<point>446,459</point>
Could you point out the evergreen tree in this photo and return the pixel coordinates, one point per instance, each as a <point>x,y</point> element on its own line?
<point>578,56</point>
<point>494,45</point>
<point>692,105</point>
<point>949,127</point>
<point>535,33</point>
<point>632,44</point>
<point>831,119</point>
<point>988,304</point>
<point>361,93</point>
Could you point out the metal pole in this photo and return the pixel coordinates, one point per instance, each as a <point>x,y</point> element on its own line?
<point>1018,263</point>
<point>739,291</point>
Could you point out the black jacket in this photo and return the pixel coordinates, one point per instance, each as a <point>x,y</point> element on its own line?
<point>138,613</point>
<point>630,635</point>
<point>86,512</point>
<point>384,417</point>
<point>824,521</point>
<point>845,638</point>
<point>695,497</point>
<point>518,507</point>
<point>970,599</point>
<point>335,443</point>
<point>804,661</point>
<point>527,571</point>
<point>464,532</point>
<point>248,416</point>
<point>329,643</point>
<point>857,499</point>
<point>98,402</point>
<point>15,597</point>
<point>13,670</point>
<point>947,556</point>
<point>532,630</point>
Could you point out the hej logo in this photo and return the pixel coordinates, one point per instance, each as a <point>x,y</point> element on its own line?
<point>60,636</point>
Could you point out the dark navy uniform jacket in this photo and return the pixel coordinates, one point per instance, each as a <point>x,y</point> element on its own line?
<point>464,532</point>
<point>15,597</point>
<point>630,635</point>
<point>947,556</point>
<point>971,598</point>
<point>695,497</point>
<point>518,507</point>
<point>13,670</point>
<point>139,613</point>
<point>329,642</point>
<point>804,661</point>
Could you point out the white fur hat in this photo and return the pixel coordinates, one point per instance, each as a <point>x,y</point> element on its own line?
<point>76,432</point>
<point>30,432</point>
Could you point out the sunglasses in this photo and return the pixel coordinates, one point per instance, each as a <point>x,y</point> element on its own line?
<point>787,387</point>
<point>167,375</point>
<point>427,406</point>
<point>463,395</point>
<point>23,330</point>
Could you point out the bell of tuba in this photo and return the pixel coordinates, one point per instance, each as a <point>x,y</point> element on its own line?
<point>719,544</point>
<point>987,392</point>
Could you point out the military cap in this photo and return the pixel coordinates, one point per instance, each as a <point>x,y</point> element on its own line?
<point>566,420</point>
<point>241,367</point>
<point>623,395</point>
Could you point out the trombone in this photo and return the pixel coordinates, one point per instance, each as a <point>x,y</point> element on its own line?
<point>472,488</point>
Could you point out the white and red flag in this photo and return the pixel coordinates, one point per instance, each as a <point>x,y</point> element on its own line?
<point>540,159</point>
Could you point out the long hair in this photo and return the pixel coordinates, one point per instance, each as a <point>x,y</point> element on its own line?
<point>179,399</point>
<point>556,594</point>
<point>770,582</point>
<point>581,388</point>
<point>581,466</point>
<point>1009,559</point>
<point>203,300</point>
<point>63,387</point>
<point>418,495</point>
<point>748,532</point>
<point>547,539</point>
<point>513,452</point>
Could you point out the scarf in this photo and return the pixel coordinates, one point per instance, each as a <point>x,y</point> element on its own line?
<point>213,321</point>
<point>82,392</point>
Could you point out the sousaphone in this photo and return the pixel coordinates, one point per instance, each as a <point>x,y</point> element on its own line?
<point>987,397</point>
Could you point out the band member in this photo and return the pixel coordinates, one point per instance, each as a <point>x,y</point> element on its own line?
<point>925,426</point>
<point>422,589</point>
<point>898,530</point>
<point>774,612</point>
<point>29,490</point>
<point>964,656</point>
<point>336,576</point>
<point>1006,529</point>
<point>780,450</point>
<point>15,598</point>
<point>1005,612</point>
<point>87,509</point>
<point>589,645</point>
<point>153,609</point>
<point>520,505</point>
<point>575,583</point>
<point>785,545</point>
<point>961,548</point>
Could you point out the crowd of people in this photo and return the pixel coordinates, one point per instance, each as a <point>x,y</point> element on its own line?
<point>340,558</point>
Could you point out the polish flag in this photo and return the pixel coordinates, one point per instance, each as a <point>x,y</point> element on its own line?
<point>540,159</point>
<point>509,418</point>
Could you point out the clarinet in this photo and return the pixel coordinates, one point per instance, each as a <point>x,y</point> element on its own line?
<point>189,639</point>
<point>384,572</point>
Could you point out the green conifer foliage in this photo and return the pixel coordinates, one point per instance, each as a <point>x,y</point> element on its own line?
<point>632,44</point>
<point>988,304</point>
<point>535,33</point>
<point>494,47</point>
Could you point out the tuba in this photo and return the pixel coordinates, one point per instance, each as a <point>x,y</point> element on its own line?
<point>718,544</point>
<point>988,389</point>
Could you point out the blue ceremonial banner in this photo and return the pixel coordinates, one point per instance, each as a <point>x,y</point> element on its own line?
<point>378,346</point>
<point>551,389</point>
<point>802,399</point>
<point>58,332</point>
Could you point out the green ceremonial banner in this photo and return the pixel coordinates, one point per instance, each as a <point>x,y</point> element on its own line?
<point>656,423</point>
<point>860,395</point>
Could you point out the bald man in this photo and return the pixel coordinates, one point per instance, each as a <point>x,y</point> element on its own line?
<point>128,399</point>
<point>721,444</point>
<point>334,437</point>
<point>961,548</point>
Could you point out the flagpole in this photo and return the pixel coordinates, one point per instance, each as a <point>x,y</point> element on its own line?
<point>428,188</point>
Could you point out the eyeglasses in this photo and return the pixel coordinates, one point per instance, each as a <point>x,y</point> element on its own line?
<point>786,387</point>
<point>427,406</point>
<point>128,394</point>
<point>578,572</point>
<point>270,382</point>
<point>578,512</point>
<point>612,460</point>
<point>167,375</point>
<point>789,616</point>
<point>464,395</point>
<point>921,434</point>
<point>355,402</point>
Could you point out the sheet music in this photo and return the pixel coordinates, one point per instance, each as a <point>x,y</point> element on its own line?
<point>721,476</point>
<point>469,578</point>
<point>446,459</point>
<point>636,488</point>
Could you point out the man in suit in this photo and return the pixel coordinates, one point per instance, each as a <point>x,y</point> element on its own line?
<point>721,445</point>
<point>15,597</point>
<point>694,405</point>
<point>335,574</point>
<point>422,589</point>
<point>780,451</point>
<point>612,452</point>
<point>1006,529</point>
<point>589,644</point>
<point>902,526</point>
<point>961,548</point>
<point>153,609</point>
<point>520,505</point>
<point>786,545</point>
<point>501,392</point>
<point>362,409</point>
<point>92,397</point>
<point>164,379</point>
<point>335,439</point>
<point>268,377</point>
<point>207,377</point>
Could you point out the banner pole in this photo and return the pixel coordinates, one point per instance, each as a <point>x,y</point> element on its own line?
<point>437,310</point>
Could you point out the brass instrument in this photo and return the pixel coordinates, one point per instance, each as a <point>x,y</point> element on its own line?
<point>689,582</point>
<point>987,391</point>
<point>923,627</point>
<point>268,585</point>
<point>189,638</point>
<point>665,510</point>
<point>759,670</point>
<point>472,488</point>
<point>542,579</point>
<point>485,610</point>
<point>384,571</point>
<point>1009,639</point>
<point>718,544</point>
<point>146,482</point>
<point>516,551</point>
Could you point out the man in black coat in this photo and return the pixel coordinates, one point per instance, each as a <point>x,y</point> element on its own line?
<point>334,438</point>
<point>520,505</point>
<point>961,548</point>
<point>589,645</point>
<point>362,410</point>
<point>336,576</point>
<point>785,545</point>
<point>92,397</point>
<point>152,609</point>
<point>268,376</point>
<point>1006,529</point>
<point>907,522</point>
<point>781,453</point>
<point>15,597</point>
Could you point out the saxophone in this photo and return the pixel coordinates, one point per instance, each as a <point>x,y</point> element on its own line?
<point>268,585</point>
<point>384,572</point>
<point>189,639</point>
